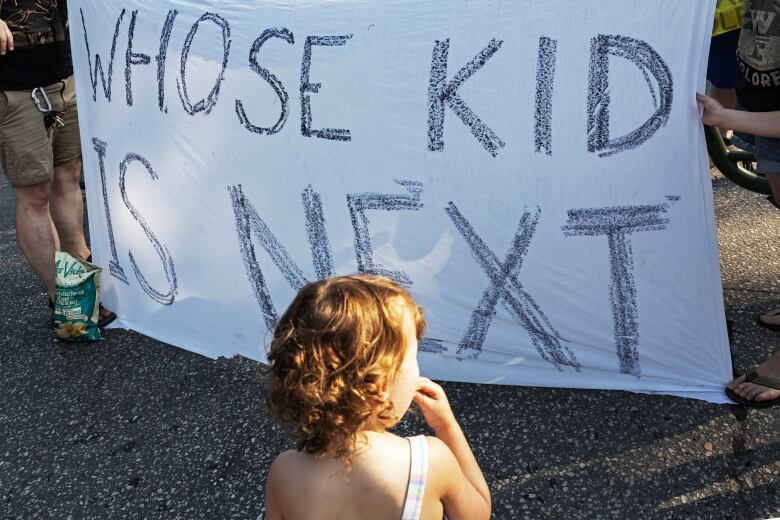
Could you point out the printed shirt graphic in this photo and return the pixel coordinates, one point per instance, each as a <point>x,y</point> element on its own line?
<point>35,17</point>
<point>42,51</point>
<point>758,82</point>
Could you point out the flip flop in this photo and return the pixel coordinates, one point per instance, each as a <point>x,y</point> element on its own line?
<point>770,320</point>
<point>755,378</point>
<point>105,319</point>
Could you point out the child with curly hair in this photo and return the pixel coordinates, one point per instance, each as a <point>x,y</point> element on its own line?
<point>343,371</point>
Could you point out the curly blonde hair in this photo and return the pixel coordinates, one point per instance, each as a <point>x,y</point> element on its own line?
<point>332,351</point>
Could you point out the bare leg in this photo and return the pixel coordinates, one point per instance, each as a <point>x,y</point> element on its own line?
<point>753,392</point>
<point>728,98</point>
<point>54,233</point>
<point>67,208</point>
<point>35,233</point>
<point>67,212</point>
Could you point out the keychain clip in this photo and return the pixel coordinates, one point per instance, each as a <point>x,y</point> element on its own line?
<point>38,103</point>
<point>50,116</point>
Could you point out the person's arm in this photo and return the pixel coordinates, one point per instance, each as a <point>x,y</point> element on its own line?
<point>466,494</point>
<point>766,124</point>
<point>6,38</point>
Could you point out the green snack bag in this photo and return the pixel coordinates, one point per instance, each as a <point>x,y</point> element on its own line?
<point>76,310</point>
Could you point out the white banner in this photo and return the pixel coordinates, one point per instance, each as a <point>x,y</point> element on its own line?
<point>534,172</point>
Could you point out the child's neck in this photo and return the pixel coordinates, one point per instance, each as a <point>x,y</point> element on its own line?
<point>376,425</point>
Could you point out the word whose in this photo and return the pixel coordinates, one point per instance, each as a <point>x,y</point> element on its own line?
<point>441,92</point>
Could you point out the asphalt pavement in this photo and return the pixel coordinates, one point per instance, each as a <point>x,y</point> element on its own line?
<point>131,428</point>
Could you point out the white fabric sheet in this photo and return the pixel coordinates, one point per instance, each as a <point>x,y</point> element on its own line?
<point>534,171</point>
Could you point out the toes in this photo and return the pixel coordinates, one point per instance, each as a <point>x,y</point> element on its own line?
<point>751,392</point>
<point>734,384</point>
<point>756,393</point>
<point>766,395</point>
<point>743,390</point>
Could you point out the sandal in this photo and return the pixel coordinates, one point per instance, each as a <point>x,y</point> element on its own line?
<point>106,318</point>
<point>756,379</point>
<point>770,320</point>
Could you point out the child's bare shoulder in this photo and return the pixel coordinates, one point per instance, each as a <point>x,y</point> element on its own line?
<point>290,457</point>
<point>443,467</point>
<point>287,465</point>
<point>437,450</point>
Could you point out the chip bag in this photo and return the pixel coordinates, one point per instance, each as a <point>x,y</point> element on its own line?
<point>76,306</point>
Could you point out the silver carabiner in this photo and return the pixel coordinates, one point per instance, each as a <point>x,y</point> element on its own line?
<point>38,104</point>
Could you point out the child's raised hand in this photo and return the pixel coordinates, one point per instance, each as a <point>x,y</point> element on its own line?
<point>433,402</point>
<point>713,111</point>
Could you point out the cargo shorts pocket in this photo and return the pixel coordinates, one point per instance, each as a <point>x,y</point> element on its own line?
<point>3,106</point>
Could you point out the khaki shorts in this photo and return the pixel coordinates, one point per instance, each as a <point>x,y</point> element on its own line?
<point>28,150</point>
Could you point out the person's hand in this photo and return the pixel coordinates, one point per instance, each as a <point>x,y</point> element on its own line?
<point>713,111</point>
<point>6,38</point>
<point>433,402</point>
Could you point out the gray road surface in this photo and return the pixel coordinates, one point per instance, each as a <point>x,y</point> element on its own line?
<point>131,428</point>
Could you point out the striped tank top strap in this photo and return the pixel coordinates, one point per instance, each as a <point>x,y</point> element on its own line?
<point>418,473</point>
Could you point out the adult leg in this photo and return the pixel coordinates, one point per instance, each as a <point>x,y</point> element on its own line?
<point>35,232</point>
<point>755,392</point>
<point>67,212</point>
<point>26,158</point>
<point>67,208</point>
